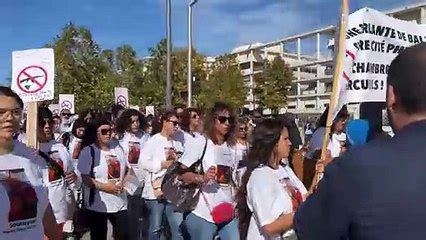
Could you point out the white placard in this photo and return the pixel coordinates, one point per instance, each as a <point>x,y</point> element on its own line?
<point>33,74</point>
<point>373,40</point>
<point>66,101</point>
<point>54,108</point>
<point>149,110</point>
<point>121,97</point>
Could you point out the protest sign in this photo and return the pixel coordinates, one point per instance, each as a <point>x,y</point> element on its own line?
<point>121,97</point>
<point>66,102</point>
<point>33,74</point>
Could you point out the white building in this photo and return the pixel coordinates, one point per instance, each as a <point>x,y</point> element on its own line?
<point>310,55</point>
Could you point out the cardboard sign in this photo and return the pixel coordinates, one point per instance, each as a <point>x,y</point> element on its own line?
<point>66,101</point>
<point>121,97</point>
<point>54,108</point>
<point>33,74</point>
<point>149,110</point>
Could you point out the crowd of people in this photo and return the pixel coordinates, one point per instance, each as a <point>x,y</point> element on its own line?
<point>99,167</point>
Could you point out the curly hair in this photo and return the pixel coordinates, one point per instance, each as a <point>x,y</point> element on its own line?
<point>124,122</point>
<point>186,118</point>
<point>263,150</point>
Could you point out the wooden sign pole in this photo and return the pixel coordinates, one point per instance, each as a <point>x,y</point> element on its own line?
<point>338,71</point>
<point>32,125</point>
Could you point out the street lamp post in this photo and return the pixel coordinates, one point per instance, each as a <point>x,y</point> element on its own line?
<point>169,52</point>
<point>189,79</point>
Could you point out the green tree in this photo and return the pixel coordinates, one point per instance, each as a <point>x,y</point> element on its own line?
<point>224,83</point>
<point>80,68</point>
<point>273,84</point>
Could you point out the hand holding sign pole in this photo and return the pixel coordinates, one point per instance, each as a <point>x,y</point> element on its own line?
<point>33,80</point>
<point>338,71</point>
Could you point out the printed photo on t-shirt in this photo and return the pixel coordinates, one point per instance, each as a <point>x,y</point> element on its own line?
<point>54,171</point>
<point>113,166</point>
<point>293,192</point>
<point>22,198</point>
<point>134,151</point>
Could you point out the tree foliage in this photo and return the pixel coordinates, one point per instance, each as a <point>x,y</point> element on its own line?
<point>273,84</point>
<point>225,83</point>
<point>91,73</point>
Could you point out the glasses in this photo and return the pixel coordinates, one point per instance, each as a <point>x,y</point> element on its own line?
<point>106,131</point>
<point>223,119</point>
<point>175,123</point>
<point>16,113</point>
<point>44,121</point>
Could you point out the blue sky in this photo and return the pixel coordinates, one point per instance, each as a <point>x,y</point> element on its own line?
<point>219,25</point>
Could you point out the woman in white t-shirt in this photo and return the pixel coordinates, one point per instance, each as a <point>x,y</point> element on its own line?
<point>102,169</point>
<point>334,145</point>
<point>242,147</point>
<point>132,139</point>
<point>25,212</point>
<point>60,187</point>
<point>159,152</point>
<point>265,206</point>
<point>77,134</point>
<point>190,125</point>
<point>214,213</point>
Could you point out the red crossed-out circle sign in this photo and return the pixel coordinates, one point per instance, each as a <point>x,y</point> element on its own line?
<point>121,100</point>
<point>32,79</point>
<point>66,105</point>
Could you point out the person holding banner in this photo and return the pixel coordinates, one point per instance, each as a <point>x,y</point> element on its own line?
<point>378,191</point>
<point>23,196</point>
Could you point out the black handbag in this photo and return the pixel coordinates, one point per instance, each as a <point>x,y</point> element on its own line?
<point>184,196</point>
<point>81,218</point>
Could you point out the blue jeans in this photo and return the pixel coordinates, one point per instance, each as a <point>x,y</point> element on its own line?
<point>156,210</point>
<point>201,229</point>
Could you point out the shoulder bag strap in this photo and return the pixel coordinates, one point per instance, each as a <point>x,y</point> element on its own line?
<point>92,174</point>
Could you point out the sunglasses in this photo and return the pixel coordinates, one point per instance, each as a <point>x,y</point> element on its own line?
<point>175,123</point>
<point>106,131</point>
<point>42,121</point>
<point>223,119</point>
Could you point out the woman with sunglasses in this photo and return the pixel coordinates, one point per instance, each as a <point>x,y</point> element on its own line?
<point>159,152</point>
<point>241,147</point>
<point>102,169</point>
<point>213,215</point>
<point>190,125</point>
<point>59,177</point>
<point>265,208</point>
<point>132,139</point>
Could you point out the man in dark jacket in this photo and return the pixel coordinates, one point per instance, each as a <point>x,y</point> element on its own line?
<point>378,191</point>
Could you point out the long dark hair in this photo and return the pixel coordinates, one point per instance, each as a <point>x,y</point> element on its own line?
<point>264,140</point>
<point>209,123</point>
<point>157,124</point>
<point>91,133</point>
<point>124,121</point>
<point>186,118</point>
<point>342,114</point>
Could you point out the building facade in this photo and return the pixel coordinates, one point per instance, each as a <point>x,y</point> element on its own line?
<point>310,55</point>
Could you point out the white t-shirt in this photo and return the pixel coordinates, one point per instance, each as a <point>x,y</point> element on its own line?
<point>241,153</point>
<point>316,143</point>
<point>153,153</point>
<point>213,192</point>
<point>56,185</point>
<point>23,197</point>
<point>133,146</point>
<point>108,165</point>
<point>268,199</point>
